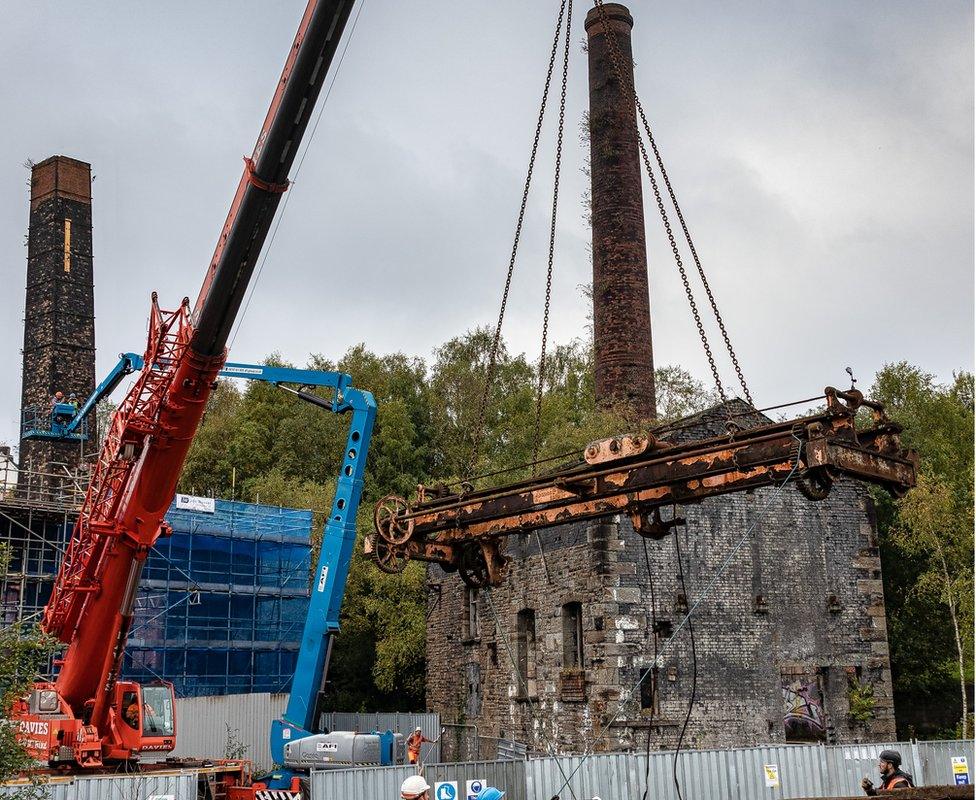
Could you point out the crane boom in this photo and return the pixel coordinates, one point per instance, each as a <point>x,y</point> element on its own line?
<point>135,478</point>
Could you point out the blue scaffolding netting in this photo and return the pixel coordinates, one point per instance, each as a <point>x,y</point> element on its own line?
<point>222,602</point>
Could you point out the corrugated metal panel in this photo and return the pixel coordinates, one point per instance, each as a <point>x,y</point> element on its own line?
<point>935,760</point>
<point>377,783</point>
<point>203,723</point>
<point>803,771</point>
<point>429,724</point>
<point>142,787</point>
<point>846,765</point>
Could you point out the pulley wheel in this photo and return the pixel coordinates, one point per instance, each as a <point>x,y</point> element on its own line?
<point>815,484</point>
<point>473,568</point>
<point>387,517</point>
<point>389,559</point>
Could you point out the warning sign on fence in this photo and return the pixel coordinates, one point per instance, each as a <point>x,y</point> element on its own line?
<point>772,775</point>
<point>960,770</point>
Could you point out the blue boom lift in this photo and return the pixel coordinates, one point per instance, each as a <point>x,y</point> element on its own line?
<point>331,571</point>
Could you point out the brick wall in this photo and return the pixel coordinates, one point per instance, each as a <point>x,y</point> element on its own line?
<point>800,605</point>
<point>59,313</point>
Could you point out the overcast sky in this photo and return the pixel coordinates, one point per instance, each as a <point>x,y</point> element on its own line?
<point>823,153</point>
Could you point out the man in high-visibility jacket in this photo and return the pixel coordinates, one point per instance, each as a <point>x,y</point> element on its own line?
<point>889,765</point>
<point>414,742</point>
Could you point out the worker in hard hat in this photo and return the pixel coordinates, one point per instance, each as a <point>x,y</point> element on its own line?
<point>491,793</point>
<point>414,788</point>
<point>414,742</point>
<point>892,777</point>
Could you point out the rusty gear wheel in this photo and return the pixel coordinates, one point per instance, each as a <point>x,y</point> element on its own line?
<point>389,559</point>
<point>387,517</point>
<point>815,484</point>
<point>473,568</point>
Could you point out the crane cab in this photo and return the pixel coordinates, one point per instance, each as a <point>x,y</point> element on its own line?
<point>145,717</point>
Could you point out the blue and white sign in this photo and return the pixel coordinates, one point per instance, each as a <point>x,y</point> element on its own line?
<point>960,770</point>
<point>445,790</point>
<point>473,788</point>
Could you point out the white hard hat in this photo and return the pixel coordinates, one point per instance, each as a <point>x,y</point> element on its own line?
<point>417,729</point>
<point>412,787</point>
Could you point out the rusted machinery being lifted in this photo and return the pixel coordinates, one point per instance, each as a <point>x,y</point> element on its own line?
<point>638,474</point>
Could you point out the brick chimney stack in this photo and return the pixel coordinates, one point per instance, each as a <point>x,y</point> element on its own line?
<point>621,305</point>
<point>59,314</point>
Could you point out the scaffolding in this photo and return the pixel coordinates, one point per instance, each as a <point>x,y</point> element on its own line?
<point>223,599</point>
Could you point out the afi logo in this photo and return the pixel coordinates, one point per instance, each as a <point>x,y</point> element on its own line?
<point>34,728</point>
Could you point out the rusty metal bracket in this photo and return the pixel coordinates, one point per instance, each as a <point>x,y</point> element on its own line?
<point>651,525</point>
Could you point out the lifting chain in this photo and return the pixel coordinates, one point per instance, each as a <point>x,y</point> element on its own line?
<point>493,355</point>
<point>537,441</point>
<point>616,58</point>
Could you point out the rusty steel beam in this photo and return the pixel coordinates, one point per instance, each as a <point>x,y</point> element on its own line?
<point>637,475</point>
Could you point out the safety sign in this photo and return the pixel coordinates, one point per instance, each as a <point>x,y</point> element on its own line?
<point>473,788</point>
<point>445,790</point>
<point>960,770</point>
<point>772,775</point>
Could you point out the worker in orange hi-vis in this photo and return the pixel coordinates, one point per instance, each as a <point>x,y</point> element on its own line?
<point>414,742</point>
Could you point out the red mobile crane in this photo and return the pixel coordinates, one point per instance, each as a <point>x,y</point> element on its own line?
<point>87,716</point>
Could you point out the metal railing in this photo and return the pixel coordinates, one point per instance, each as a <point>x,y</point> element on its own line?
<point>54,487</point>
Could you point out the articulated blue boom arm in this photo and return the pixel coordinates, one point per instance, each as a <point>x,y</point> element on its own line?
<point>338,539</point>
<point>128,363</point>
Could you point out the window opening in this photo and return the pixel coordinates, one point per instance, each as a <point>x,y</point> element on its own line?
<point>573,636</point>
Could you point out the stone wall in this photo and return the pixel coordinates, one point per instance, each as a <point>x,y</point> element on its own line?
<point>798,616</point>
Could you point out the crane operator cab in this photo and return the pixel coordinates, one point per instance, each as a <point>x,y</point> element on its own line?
<point>145,716</point>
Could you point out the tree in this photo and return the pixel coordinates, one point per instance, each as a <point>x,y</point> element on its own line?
<point>932,526</point>
<point>265,446</point>
<point>24,652</point>
<point>926,543</point>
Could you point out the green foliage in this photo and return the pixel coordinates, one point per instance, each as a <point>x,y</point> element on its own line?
<point>927,544</point>
<point>260,444</point>
<point>234,746</point>
<point>860,697</point>
<point>24,651</point>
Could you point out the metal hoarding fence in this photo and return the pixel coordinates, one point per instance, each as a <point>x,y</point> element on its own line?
<point>753,773</point>
<point>934,760</point>
<point>131,787</point>
<point>379,783</point>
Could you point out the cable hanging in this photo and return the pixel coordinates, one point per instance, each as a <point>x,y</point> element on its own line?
<point>496,342</point>
<point>710,586</point>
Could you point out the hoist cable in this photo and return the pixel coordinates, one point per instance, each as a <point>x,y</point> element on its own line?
<point>537,441</point>
<point>654,673</point>
<point>694,670</point>
<point>493,355</point>
<point>628,696</point>
<point>523,684</point>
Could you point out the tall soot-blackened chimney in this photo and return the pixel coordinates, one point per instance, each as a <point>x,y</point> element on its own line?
<point>621,307</point>
<point>59,313</point>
